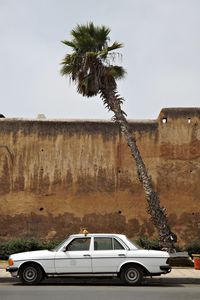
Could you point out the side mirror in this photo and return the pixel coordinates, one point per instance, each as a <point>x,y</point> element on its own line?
<point>67,248</point>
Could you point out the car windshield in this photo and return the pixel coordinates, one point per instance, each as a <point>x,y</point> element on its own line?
<point>59,245</point>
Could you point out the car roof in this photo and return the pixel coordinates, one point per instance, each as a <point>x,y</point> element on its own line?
<point>97,235</point>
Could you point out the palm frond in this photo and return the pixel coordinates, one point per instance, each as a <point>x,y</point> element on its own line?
<point>68,59</point>
<point>115,46</point>
<point>67,70</point>
<point>69,43</point>
<point>90,37</point>
<point>118,72</point>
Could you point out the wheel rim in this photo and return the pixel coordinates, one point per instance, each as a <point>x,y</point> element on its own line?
<point>30,274</point>
<point>132,275</point>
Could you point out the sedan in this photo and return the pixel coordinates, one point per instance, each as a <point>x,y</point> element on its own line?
<point>90,255</point>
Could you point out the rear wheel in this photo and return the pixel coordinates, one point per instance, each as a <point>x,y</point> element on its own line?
<point>131,275</point>
<point>31,274</point>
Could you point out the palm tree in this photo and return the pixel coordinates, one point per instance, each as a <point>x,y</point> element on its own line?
<point>90,66</point>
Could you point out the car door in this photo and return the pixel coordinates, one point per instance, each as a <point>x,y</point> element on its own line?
<point>75,258</point>
<point>107,254</point>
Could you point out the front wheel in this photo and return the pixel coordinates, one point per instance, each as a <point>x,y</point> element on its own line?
<point>131,275</point>
<point>31,274</point>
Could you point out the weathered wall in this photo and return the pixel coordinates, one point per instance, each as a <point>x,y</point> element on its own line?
<point>56,176</point>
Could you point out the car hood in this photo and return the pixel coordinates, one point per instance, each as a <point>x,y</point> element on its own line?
<point>33,255</point>
<point>148,253</point>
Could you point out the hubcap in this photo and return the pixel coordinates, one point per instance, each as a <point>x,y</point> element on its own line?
<point>132,275</point>
<point>30,274</point>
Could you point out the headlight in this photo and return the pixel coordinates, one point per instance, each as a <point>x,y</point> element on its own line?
<point>10,262</point>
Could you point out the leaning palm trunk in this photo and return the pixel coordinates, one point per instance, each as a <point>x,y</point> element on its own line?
<point>89,67</point>
<point>158,214</point>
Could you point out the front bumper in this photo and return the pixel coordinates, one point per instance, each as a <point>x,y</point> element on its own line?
<point>13,271</point>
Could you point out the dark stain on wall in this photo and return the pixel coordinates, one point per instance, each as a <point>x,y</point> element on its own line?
<point>5,182</point>
<point>189,227</point>
<point>180,152</point>
<point>57,227</point>
<point>19,181</point>
<point>34,181</point>
<point>144,126</point>
<point>40,226</point>
<point>99,183</point>
<point>52,127</point>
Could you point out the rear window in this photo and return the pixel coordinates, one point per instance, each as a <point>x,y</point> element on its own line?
<point>106,243</point>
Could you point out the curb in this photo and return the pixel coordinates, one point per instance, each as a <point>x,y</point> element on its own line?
<point>173,280</point>
<point>111,282</point>
<point>178,276</point>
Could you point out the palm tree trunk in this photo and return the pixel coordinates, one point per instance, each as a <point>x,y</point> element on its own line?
<point>158,214</point>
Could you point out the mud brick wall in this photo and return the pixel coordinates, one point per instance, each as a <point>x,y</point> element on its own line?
<point>58,175</point>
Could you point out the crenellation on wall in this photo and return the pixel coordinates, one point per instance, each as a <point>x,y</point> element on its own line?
<point>183,113</point>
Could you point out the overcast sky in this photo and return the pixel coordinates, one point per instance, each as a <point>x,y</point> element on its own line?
<point>161,55</point>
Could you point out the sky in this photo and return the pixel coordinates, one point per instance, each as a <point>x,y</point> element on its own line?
<point>161,55</point>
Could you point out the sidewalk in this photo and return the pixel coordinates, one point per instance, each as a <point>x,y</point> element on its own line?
<point>177,275</point>
<point>3,273</point>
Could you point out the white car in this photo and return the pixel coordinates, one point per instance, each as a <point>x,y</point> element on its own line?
<point>90,255</point>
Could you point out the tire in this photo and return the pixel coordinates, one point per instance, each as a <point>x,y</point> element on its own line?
<point>131,275</point>
<point>31,274</point>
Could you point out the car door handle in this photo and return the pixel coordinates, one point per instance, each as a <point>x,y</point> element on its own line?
<point>86,255</point>
<point>121,255</point>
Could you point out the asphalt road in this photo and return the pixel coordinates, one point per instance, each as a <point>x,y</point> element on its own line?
<point>97,291</point>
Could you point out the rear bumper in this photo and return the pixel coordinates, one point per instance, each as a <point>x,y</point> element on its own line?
<point>165,269</point>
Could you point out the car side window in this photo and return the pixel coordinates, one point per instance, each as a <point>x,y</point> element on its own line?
<point>117,245</point>
<point>106,243</point>
<point>80,244</point>
<point>102,243</point>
